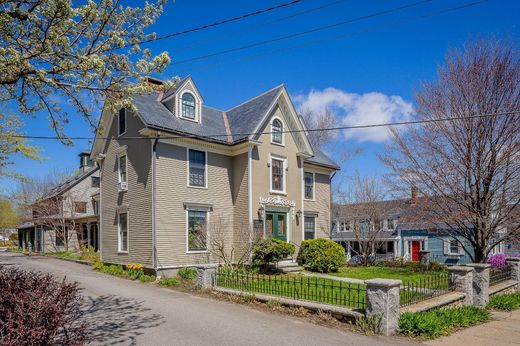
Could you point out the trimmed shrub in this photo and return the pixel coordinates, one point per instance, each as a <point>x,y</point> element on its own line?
<point>187,273</point>
<point>321,255</point>
<point>271,250</point>
<point>434,323</point>
<point>37,309</point>
<point>506,302</point>
<point>166,282</point>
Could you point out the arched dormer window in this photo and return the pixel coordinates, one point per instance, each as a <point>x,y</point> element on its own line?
<point>277,131</point>
<point>188,106</point>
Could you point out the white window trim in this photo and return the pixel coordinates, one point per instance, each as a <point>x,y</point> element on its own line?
<point>284,160</point>
<point>283,133</point>
<point>197,208</point>
<point>118,124</point>
<point>197,107</point>
<point>119,232</point>
<point>459,248</point>
<point>188,169</point>
<point>313,186</point>
<point>122,187</point>
<point>407,244</point>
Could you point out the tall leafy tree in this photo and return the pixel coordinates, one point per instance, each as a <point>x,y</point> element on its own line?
<point>8,217</point>
<point>56,52</point>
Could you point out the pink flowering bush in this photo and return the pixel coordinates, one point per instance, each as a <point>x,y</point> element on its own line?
<point>497,261</point>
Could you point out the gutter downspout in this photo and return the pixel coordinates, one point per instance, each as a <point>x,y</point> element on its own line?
<point>154,240</point>
<point>330,203</point>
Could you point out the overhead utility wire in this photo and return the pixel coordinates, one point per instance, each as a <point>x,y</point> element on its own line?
<point>348,35</point>
<point>353,127</point>
<point>306,32</point>
<point>225,21</point>
<point>251,28</point>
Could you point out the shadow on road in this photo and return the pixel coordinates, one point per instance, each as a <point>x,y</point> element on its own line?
<point>112,319</point>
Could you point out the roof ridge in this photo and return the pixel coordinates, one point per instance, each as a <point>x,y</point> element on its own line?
<point>214,108</point>
<point>228,129</point>
<point>257,96</point>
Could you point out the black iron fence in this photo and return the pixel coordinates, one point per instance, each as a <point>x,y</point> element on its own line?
<point>315,289</point>
<point>501,274</point>
<point>427,287</point>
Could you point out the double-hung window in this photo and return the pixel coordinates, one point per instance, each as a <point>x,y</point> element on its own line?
<point>308,179</point>
<point>309,227</point>
<point>277,175</point>
<point>122,225</point>
<point>123,183</point>
<point>197,230</point>
<point>454,247</point>
<point>196,168</point>
<point>121,122</point>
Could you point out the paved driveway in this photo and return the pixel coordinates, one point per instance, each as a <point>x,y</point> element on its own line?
<point>120,311</point>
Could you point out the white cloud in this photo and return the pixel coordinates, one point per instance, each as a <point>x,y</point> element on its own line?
<point>354,109</point>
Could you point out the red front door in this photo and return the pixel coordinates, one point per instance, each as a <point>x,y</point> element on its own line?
<point>416,247</point>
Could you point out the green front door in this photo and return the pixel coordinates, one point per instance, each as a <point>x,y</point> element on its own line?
<point>275,225</point>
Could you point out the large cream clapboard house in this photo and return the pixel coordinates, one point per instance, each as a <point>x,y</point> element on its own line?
<point>177,166</point>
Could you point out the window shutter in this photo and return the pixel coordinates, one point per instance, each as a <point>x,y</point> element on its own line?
<point>446,246</point>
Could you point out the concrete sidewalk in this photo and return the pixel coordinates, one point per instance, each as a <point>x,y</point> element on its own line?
<point>504,330</point>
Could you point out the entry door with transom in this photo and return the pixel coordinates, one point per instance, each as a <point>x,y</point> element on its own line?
<point>275,225</point>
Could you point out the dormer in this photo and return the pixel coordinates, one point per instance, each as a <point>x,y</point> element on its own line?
<point>184,101</point>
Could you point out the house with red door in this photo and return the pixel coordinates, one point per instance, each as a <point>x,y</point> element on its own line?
<point>400,228</point>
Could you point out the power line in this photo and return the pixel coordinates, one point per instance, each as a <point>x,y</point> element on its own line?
<point>348,35</point>
<point>306,32</point>
<point>225,21</point>
<point>337,128</point>
<point>251,28</point>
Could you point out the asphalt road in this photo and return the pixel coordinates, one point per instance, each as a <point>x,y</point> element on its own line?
<point>124,312</point>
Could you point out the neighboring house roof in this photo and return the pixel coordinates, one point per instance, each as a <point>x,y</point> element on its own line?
<point>71,182</point>
<point>382,235</point>
<point>242,120</point>
<point>410,216</point>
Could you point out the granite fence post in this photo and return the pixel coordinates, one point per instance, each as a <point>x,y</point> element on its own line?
<point>461,280</point>
<point>383,303</point>
<point>206,276</point>
<point>515,270</point>
<point>480,284</point>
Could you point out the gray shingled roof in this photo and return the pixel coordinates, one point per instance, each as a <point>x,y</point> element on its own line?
<point>69,183</point>
<point>243,120</point>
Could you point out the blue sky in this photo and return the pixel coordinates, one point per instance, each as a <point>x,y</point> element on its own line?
<point>366,71</point>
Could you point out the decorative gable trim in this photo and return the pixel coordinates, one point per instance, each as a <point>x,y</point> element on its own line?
<point>292,121</point>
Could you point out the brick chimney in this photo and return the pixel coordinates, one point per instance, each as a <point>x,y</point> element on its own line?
<point>415,191</point>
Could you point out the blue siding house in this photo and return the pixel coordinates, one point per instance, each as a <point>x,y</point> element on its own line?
<point>410,233</point>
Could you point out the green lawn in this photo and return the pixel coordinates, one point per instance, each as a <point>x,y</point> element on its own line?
<point>373,272</point>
